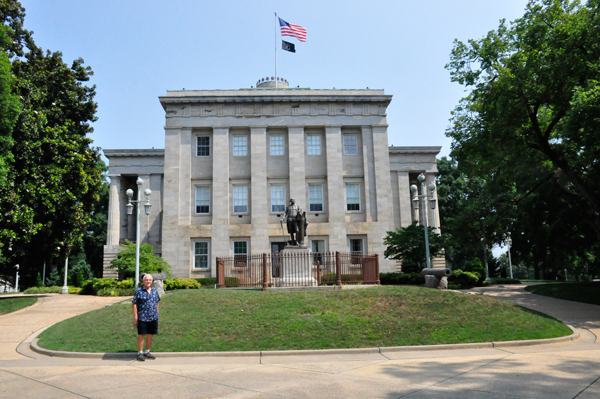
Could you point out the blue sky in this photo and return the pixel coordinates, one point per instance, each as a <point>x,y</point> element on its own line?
<point>140,49</point>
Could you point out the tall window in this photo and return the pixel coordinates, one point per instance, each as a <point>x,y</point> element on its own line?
<point>356,245</point>
<point>202,199</point>
<point>277,145</point>
<point>240,146</point>
<point>313,144</point>
<point>352,197</point>
<point>203,146</point>
<point>240,253</point>
<point>315,198</point>
<point>350,144</point>
<point>240,199</point>
<point>277,199</point>
<point>201,256</point>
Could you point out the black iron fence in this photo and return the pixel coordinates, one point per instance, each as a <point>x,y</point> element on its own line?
<point>291,269</point>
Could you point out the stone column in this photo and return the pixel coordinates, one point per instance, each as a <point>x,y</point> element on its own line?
<point>370,206</point>
<point>173,154</point>
<point>259,191</point>
<point>220,195</point>
<point>404,197</point>
<point>297,167</point>
<point>144,219</point>
<point>383,186</point>
<point>114,210</point>
<point>336,190</point>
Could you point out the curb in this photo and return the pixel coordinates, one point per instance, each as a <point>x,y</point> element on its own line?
<point>349,351</point>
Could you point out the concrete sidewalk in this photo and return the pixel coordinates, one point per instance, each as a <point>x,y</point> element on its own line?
<point>564,370</point>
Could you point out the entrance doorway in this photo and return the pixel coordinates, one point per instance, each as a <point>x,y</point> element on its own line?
<point>276,248</point>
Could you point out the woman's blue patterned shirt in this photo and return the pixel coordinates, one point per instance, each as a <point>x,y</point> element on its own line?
<point>147,304</point>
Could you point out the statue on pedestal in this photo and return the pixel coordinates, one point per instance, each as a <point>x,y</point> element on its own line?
<point>296,223</point>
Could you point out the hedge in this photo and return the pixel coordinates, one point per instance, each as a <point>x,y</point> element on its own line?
<point>401,279</point>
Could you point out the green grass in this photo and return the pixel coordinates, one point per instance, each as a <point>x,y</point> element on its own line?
<point>236,320</point>
<point>578,292</point>
<point>8,305</point>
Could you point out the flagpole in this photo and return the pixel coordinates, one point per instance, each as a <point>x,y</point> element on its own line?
<point>275,49</point>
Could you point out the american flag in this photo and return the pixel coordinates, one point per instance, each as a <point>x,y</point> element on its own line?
<point>292,30</point>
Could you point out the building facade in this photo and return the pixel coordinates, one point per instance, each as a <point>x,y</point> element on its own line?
<point>234,158</point>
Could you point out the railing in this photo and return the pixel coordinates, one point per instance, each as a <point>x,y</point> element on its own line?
<point>297,269</point>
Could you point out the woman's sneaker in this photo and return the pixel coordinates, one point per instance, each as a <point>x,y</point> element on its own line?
<point>141,357</point>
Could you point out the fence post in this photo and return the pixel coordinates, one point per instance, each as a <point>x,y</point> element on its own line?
<point>265,283</point>
<point>338,269</point>
<point>377,268</point>
<point>220,273</point>
<point>318,272</point>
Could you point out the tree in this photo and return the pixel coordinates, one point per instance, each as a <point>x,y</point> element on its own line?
<point>535,92</point>
<point>407,244</point>
<point>54,176</point>
<point>149,263</point>
<point>9,109</point>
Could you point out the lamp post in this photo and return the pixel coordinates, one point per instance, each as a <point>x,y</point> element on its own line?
<point>147,209</point>
<point>17,279</point>
<point>424,197</point>
<point>508,243</point>
<point>65,288</point>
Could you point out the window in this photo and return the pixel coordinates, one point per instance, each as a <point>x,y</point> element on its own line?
<point>350,144</point>
<point>317,247</point>
<point>201,256</point>
<point>277,145</point>
<point>315,198</point>
<point>202,200</point>
<point>313,144</point>
<point>240,253</point>
<point>203,146</point>
<point>240,146</point>
<point>352,197</point>
<point>356,248</point>
<point>277,199</point>
<point>240,199</point>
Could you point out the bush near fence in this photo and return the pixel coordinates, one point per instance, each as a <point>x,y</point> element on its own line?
<point>330,278</point>
<point>504,280</point>
<point>401,279</point>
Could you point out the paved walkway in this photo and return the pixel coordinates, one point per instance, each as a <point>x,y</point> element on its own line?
<point>564,370</point>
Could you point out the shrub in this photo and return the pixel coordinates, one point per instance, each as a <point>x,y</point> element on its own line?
<point>232,282</point>
<point>401,279</point>
<point>116,292</point>
<point>330,278</point>
<point>51,290</point>
<point>149,263</point>
<point>464,279</point>
<point>181,284</point>
<point>207,281</point>
<point>94,286</point>
<point>43,290</point>
<point>502,280</point>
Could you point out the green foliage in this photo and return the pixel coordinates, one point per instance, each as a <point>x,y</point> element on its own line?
<point>401,279</point>
<point>330,278</point>
<point>464,279</point>
<point>181,284</point>
<point>207,281</point>
<point>527,134</point>
<point>94,286</point>
<point>10,108</point>
<point>43,290</point>
<point>149,263</point>
<point>54,279</point>
<point>408,245</point>
<point>79,273</point>
<point>116,292</point>
<point>53,178</point>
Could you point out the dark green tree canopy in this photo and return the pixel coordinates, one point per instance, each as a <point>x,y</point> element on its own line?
<point>54,172</point>
<point>534,94</point>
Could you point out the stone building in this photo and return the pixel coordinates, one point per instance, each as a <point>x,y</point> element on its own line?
<point>234,158</point>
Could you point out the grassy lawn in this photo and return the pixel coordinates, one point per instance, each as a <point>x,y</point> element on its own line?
<point>8,305</point>
<point>235,320</point>
<point>578,292</point>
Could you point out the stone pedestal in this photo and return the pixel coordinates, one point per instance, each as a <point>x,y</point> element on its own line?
<point>296,267</point>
